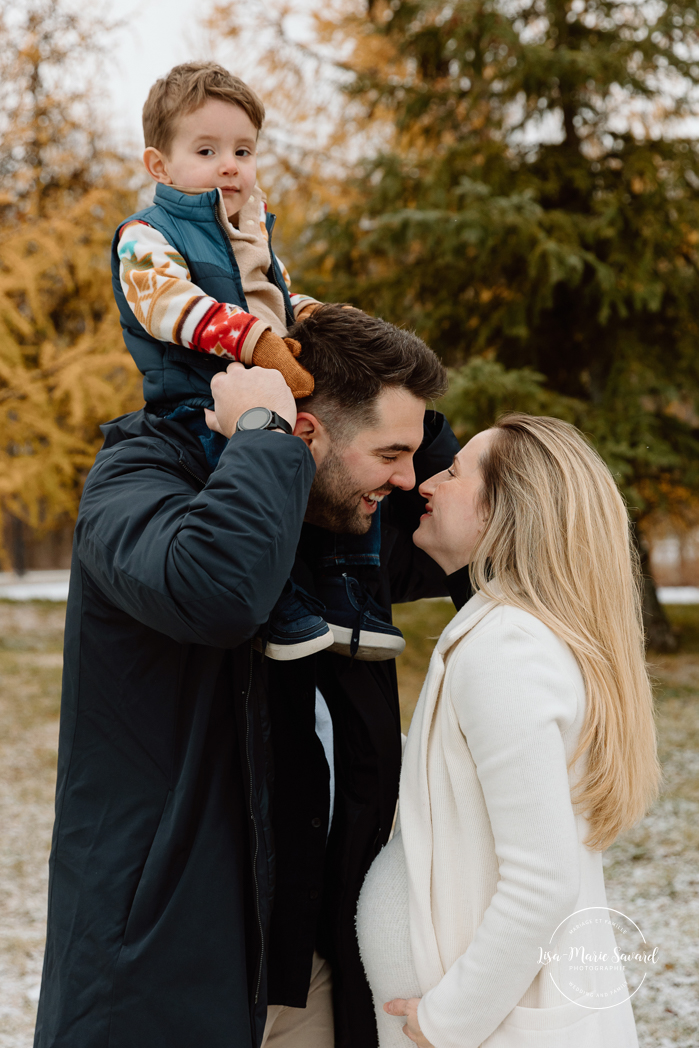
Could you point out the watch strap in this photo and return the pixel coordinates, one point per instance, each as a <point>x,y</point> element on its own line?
<point>274,421</point>
<point>277,422</point>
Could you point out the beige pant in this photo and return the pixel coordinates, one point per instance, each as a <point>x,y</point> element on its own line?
<point>309,1027</point>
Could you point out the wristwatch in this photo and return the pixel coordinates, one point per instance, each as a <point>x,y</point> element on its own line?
<point>261,418</point>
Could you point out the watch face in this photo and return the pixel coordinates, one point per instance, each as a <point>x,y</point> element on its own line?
<point>255,418</point>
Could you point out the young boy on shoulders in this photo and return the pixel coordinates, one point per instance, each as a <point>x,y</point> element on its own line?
<point>198,285</point>
<point>197,268</point>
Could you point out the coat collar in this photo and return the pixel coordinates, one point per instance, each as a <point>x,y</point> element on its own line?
<point>195,205</point>
<point>143,423</point>
<point>464,620</point>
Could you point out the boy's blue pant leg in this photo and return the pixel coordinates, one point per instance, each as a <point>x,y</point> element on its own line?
<point>339,552</point>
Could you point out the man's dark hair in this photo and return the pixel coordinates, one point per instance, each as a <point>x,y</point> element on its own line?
<point>353,357</point>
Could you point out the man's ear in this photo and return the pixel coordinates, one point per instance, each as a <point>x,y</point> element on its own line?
<point>156,165</point>
<point>314,434</point>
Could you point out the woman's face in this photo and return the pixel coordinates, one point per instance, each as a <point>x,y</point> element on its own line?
<point>451,525</point>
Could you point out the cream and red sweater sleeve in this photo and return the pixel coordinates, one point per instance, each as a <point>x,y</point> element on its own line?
<point>157,285</point>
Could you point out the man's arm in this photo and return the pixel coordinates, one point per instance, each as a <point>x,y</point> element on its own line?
<point>203,561</point>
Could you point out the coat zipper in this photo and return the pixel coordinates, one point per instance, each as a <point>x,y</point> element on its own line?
<point>254,823</point>
<point>191,472</point>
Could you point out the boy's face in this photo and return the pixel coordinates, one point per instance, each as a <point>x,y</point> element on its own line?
<point>214,148</point>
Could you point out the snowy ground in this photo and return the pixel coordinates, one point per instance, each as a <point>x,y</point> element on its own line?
<point>30,674</point>
<point>652,874</point>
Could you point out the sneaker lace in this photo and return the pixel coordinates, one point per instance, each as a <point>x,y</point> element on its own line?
<point>366,603</point>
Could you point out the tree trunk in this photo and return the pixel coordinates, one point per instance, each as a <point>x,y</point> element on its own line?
<point>660,636</point>
<point>18,550</point>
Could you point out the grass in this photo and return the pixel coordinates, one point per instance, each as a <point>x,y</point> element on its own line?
<point>421,623</point>
<point>31,641</point>
<point>652,872</point>
<point>684,619</point>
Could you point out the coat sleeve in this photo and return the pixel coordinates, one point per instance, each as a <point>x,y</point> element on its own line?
<point>201,566</point>
<point>514,699</point>
<point>413,574</point>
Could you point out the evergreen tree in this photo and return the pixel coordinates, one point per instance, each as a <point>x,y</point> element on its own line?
<point>536,203</point>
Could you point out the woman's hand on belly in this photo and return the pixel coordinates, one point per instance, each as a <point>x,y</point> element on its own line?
<point>398,1006</point>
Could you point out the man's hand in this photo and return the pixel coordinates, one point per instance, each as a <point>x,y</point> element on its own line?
<point>412,1028</point>
<point>238,388</point>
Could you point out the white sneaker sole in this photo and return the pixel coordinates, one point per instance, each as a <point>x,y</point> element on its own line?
<point>290,652</point>
<point>373,647</point>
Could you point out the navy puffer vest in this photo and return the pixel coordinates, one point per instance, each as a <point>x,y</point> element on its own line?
<point>174,375</point>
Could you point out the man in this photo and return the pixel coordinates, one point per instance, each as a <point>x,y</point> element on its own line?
<point>193,880</point>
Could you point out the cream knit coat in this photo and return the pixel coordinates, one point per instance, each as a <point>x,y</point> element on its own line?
<point>493,847</point>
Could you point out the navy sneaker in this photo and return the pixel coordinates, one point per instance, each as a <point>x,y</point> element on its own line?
<point>361,627</point>
<point>296,626</point>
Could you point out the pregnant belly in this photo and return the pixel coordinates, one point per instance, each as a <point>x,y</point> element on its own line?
<point>383,928</point>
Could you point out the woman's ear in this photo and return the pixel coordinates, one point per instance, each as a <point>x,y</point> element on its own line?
<point>156,165</point>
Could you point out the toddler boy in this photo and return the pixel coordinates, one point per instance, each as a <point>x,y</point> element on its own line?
<point>198,285</point>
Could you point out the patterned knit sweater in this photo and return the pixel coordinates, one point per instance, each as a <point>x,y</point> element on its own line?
<point>158,287</point>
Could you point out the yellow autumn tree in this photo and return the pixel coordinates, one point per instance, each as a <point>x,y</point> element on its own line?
<point>63,366</point>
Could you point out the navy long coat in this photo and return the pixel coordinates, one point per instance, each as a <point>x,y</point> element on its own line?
<point>189,883</point>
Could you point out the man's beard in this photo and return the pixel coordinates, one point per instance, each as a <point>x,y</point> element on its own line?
<point>335,501</point>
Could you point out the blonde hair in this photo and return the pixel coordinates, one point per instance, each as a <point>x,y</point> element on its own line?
<point>187,87</point>
<point>557,540</point>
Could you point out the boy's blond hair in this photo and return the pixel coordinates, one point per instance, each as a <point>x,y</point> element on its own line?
<point>186,88</point>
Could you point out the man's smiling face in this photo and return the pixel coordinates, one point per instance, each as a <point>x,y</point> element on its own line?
<point>354,476</point>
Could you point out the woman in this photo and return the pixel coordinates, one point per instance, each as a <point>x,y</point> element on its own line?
<point>532,746</point>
